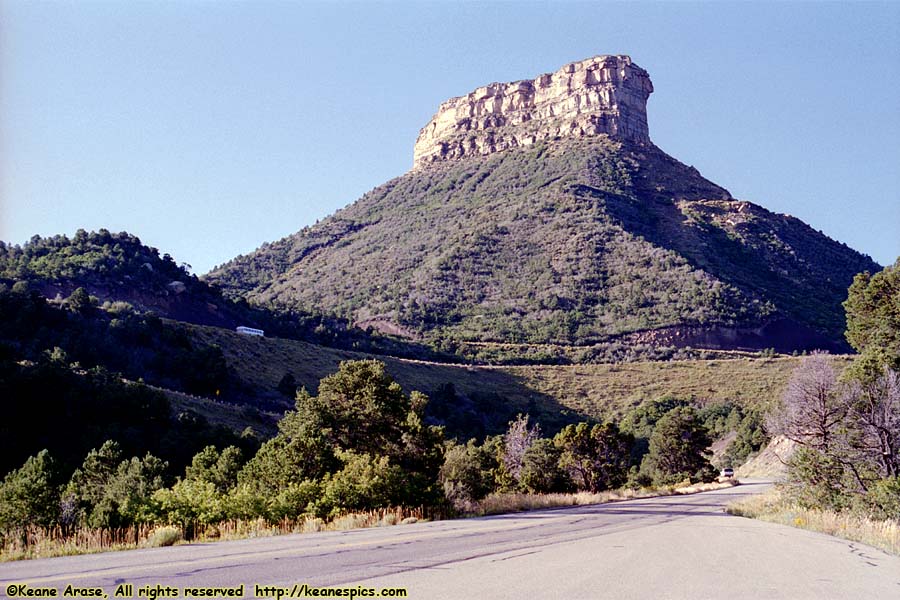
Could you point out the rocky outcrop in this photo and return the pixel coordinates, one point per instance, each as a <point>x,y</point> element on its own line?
<point>771,462</point>
<point>600,95</point>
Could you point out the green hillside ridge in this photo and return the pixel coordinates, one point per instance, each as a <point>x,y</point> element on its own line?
<point>117,268</point>
<point>574,242</point>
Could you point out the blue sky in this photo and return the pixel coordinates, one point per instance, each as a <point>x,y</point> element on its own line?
<point>208,128</point>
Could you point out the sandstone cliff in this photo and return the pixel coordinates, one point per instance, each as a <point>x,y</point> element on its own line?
<point>599,95</point>
<point>539,212</point>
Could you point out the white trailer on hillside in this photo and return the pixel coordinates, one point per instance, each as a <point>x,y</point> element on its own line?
<point>250,331</point>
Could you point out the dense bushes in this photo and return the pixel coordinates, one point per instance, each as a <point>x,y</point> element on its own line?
<point>114,337</point>
<point>582,457</point>
<point>848,436</point>
<point>108,491</point>
<point>29,495</point>
<point>596,458</point>
<point>468,472</point>
<point>873,316</point>
<point>360,444</point>
<point>677,449</point>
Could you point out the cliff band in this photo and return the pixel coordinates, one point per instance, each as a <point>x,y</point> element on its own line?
<point>600,95</point>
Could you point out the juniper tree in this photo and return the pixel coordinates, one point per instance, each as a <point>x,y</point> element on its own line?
<point>812,408</point>
<point>596,457</point>
<point>679,449</point>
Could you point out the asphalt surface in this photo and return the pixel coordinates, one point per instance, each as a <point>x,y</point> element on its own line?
<point>673,547</point>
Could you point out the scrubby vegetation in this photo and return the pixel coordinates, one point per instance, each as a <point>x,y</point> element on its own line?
<point>570,242</point>
<point>48,404</point>
<point>112,461</point>
<point>474,401</point>
<point>359,444</point>
<point>587,458</point>
<point>113,336</point>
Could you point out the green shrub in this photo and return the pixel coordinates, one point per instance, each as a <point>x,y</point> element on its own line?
<point>29,496</point>
<point>541,472</point>
<point>816,481</point>
<point>884,499</point>
<point>678,449</point>
<point>246,503</point>
<point>596,457</point>
<point>294,500</point>
<point>190,501</point>
<point>468,473</point>
<point>366,482</point>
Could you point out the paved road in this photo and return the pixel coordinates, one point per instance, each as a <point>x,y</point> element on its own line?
<point>676,547</point>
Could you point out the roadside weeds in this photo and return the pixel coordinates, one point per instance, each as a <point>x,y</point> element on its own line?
<point>775,508</point>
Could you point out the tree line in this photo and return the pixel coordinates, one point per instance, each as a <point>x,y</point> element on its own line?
<point>360,443</point>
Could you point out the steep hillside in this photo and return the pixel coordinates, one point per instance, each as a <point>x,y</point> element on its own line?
<point>540,212</point>
<point>518,227</point>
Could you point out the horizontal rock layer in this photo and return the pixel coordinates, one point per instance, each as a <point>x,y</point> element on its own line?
<point>600,95</point>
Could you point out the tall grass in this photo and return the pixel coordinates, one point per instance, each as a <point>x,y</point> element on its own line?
<point>775,508</point>
<point>45,542</point>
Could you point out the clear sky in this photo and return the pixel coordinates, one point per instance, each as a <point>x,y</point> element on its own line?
<point>208,128</point>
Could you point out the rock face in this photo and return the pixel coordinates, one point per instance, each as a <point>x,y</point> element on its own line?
<point>600,95</point>
<point>540,214</point>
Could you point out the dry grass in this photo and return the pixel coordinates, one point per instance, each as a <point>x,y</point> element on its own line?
<point>385,517</point>
<point>516,502</point>
<point>773,507</point>
<point>39,542</point>
<point>610,390</point>
<point>233,416</point>
<point>45,542</point>
<point>770,462</point>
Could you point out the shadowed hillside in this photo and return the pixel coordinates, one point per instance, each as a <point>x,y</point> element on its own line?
<point>485,399</point>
